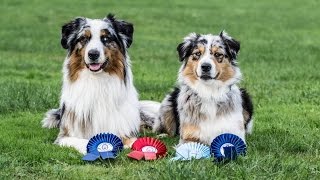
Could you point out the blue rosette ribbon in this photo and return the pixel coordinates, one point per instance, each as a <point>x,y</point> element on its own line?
<point>104,145</point>
<point>227,147</point>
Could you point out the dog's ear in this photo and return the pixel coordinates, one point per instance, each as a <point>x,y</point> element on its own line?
<point>185,48</point>
<point>125,29</point>
<point>232,45</point>
<point>69,31</point>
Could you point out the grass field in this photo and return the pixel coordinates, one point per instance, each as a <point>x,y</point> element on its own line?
<point>280,60</point>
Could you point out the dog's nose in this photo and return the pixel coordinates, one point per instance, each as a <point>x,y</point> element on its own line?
<point>93,54</point>
<point>206,67</point>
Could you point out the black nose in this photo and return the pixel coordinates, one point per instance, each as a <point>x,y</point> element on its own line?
<point>206,67</point>
<point>93,54</point>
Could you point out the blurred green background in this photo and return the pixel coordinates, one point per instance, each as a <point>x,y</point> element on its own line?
<point>279,58</point>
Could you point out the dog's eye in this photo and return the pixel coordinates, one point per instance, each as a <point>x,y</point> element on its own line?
<point>83,40</point>
<point>105,39</point>
<point>196,55</point>
<point>217,55</point>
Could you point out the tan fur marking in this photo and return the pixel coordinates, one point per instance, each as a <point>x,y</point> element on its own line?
<point>190,70</point>
<point>103,32</point>
<point>116,61</point>
<point>76,63</point>
<point>200,48</point>
<point>214,49</point>
<point>85,37</point>
<point>127,142</point>
<point>65,131</point>
<point>170,124</point>
<point>192,64</point>
<point>224,67</point>
<point>225,70</point>
<point>190,132</point>
<point>87,33</point>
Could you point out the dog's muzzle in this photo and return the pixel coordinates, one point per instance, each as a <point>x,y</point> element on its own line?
<point>94,56</point>
<point>206,72</point>
<point>95,67</point>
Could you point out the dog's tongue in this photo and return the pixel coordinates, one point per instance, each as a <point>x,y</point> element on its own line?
<point>94,66</point>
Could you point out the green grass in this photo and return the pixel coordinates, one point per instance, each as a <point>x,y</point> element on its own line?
<point>280,53</point>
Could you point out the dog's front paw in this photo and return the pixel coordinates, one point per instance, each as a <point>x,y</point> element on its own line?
<point>127,142</point>
<point>82,146</point>
<point>163,135</point>
<point>77,143</point>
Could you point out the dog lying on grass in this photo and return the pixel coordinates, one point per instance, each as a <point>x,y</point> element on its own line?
<point>98,94</point>
<point>207,100</point>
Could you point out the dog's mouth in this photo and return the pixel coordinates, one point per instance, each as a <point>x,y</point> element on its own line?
<point>208,77</point>
<point>95,67</point>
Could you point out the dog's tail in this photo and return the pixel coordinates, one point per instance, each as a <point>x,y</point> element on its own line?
<point>52,119</point>
<point>149,113</point>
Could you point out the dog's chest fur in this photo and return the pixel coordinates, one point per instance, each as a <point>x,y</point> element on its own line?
<point>219,114</point>
<point>98,103</point>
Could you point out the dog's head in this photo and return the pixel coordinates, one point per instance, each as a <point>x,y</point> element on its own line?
<point>209,58</point>
<point>100,45</point>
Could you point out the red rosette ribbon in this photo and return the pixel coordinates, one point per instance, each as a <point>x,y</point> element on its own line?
<point>147,148</point>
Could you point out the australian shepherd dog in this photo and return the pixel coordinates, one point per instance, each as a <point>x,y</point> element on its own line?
<point>207,100</point>
<point>98,94</point>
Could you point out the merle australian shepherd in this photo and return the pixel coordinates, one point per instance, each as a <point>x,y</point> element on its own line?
<point>98,94</point>
<point>207,100</point>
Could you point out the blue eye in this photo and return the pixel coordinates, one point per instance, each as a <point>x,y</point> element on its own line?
<point>105,39</point>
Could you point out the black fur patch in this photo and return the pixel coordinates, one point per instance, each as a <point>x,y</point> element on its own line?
<point>232,47</point>
<point>62,110</point>
<point>122,27</point>
<point>57,115</point>
<point>203,41</point>
<point>247,104</point>
<point>174,101</point>
<point>185,48</point>
<point>69,33</point>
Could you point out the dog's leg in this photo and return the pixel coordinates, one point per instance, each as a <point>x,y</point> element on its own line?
<point>170,125</point>
<point>77,143</point>
<point>169,117</point>
<point>149,113</point>
<point>162,135</point>
<point>65,137</point>
<point>167,121</point>
<point>127,142</point>
<point>189,133</point>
